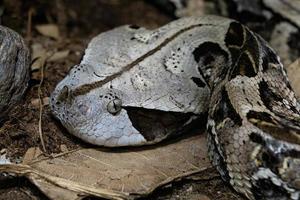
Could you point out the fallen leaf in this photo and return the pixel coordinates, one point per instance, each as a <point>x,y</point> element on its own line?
<point>59,55</point>
<point>36,102</point>
<point>39,56</point>
<point>31,154</point>
<point>293,71</point>
<point>115,173</point>
<point>48,30</point>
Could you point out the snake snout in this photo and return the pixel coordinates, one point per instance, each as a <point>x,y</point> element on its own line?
<point>64,95</point>
<point>61,99</point>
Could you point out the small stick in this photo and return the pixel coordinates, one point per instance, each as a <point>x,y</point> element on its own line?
<point>29,23</point>
<point>41,108</point>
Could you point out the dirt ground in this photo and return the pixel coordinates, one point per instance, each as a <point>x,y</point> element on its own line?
<point>78,22</point>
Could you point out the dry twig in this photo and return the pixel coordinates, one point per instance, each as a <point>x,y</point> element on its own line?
<point>29,23</point>
<point>41,107</point>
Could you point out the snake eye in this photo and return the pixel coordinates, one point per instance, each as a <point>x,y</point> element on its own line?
<point>114,106</point>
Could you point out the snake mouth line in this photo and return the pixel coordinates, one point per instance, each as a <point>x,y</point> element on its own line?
<point>157,125</point>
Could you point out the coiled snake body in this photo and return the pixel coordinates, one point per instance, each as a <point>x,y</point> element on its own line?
<point>192,65</point>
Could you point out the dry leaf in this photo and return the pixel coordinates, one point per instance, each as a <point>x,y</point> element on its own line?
<point>49,30</point>
<point>39,56</point>
<point>115,173</point>
<point>31,154</point>
<point>36,102</point>
<point>293,71</point>
<point>59,55</point>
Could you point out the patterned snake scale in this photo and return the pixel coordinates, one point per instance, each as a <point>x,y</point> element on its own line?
<point>208,65</point>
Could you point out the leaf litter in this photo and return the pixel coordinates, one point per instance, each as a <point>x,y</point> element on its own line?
<point>112,173</point>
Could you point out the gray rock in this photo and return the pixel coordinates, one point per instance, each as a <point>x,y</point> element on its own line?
<point>14,69</point>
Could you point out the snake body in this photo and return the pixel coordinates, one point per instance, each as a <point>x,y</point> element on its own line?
<point>193,65</point>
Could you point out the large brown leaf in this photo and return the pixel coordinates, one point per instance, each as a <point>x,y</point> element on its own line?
<point>293,71</point>
<point>114,173</point>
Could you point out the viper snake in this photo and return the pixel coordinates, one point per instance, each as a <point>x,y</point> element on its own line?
<point>210,65</point>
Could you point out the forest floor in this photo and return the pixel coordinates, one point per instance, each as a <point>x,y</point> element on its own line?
<point>77,22</point>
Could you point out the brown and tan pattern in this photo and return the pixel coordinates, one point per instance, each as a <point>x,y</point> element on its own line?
<point>187,68</point>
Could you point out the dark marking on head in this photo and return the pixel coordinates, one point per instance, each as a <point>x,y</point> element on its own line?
<point>246,57</point>
<point>268,55</point>
<point>252,47</point>
<point>244,67</point>
<point>224,109</point>
<point>198,82</point>
<point>235,54</point>
<point>83,89</point>
<point>235,35</point>
<point>208,49</point>
<point>245,52</point>
<point>208,60</point>
<point>208,56</point>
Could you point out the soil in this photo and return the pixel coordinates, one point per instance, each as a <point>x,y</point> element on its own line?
<point>78,22</point>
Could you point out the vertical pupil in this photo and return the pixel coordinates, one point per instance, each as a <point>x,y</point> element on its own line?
<point>115,107</point>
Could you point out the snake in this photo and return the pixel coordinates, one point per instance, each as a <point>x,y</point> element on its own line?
<point>194,66</point>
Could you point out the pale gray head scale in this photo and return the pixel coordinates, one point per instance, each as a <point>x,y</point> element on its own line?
<point>97,116</point>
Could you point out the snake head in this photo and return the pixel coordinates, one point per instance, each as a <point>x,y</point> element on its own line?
<point>112,114</point>
<point>96,117</point>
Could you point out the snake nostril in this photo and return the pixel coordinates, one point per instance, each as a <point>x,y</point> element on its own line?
<point>64,95</point>
<point>114,106</point>
<point>84,109</point>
